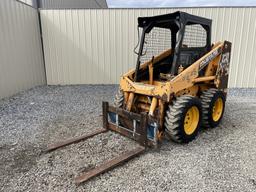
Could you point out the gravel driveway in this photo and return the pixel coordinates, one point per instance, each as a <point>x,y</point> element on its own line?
<point>221,159</point>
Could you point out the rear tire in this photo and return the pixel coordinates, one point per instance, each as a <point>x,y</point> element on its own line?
<point>213,103</point>
<point>183,119</point>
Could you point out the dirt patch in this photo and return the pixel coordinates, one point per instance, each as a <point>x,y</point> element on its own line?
<point>18,161</point>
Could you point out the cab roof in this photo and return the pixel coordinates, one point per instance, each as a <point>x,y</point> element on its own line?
<point>182,17</point>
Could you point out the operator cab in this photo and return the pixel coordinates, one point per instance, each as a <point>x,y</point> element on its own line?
<point>172,42</point>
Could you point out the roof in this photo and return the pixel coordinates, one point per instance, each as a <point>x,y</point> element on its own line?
<point>178,15</point>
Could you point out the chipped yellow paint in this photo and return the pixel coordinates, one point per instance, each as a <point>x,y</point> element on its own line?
<point>185,78</point>
<point>189,91</point>
<point>181,83</point>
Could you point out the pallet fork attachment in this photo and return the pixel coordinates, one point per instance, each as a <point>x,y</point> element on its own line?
<point>139,135</point>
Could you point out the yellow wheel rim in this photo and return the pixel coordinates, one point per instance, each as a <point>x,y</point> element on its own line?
<point>191,120</point>
<point>217,109</point>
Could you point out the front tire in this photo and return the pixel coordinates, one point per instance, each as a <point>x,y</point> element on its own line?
<point>119,99</point>
<point>183,119</point>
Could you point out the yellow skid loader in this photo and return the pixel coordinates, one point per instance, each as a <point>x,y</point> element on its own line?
<point>178,86</point>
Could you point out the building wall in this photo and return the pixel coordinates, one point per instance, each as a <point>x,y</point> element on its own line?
<point>32,3</point>
<point>21,58</point>
<point>68,4</point>
<point>96,46</point>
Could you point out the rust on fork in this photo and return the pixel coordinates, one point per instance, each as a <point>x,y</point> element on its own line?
<point>109,164</point>
<point>74,140</point>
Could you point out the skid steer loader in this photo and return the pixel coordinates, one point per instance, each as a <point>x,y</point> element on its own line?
<point>178,86</point>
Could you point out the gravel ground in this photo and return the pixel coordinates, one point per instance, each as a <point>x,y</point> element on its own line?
<point>221,159</point>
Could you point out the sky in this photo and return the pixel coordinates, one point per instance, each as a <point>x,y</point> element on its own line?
<point>177,3</point>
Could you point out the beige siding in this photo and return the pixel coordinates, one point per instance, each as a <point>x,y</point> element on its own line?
<point>69,4</point>
<point>29,2</point>
<point>21,60</point>
<point>96,46</point>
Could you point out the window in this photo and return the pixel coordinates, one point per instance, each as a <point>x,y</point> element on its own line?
<point>195,36</point>
<point>157,41</point>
